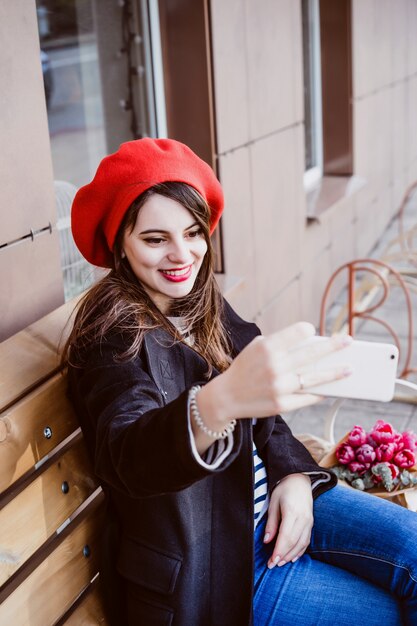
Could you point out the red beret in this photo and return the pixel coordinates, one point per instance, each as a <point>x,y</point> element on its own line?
<point>99,207</point>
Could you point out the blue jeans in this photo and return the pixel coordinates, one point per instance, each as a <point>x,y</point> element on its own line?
<point>360,568</point>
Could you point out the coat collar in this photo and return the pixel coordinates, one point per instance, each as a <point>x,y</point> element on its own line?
<point>174,366</point>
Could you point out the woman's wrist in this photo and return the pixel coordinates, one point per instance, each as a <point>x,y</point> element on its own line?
<point>201,423</point>
<point>212,406</point>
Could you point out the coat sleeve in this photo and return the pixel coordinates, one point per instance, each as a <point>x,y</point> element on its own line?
<point>140,445</point>
<point>283,454</point>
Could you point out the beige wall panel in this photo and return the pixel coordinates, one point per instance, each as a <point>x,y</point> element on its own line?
<point>240,298</point>
<point>412,119</point>
<point>315,239</point>
<point>372,140</point>
<point>272,60</point>
<point>31,282</point>
<point>298,73</point>
<point>282,311</point>
<point>26,192</point>
<point>277,211</point>
<point>342,233</point>
<point>400,141</point>
<point>230,73</point>
<point>380,167</point>
<point>238,228</point>
<point>412,176</point>
<point>412,39</point>
<point>363,47</point>
<point>398,130</point>
<point>364,226</point>
<point>382,61</point>
<point>398,16</point>
<point>399,187</point>
<point>384,211</point>
<point>312,284</point>
<point>381,210</point>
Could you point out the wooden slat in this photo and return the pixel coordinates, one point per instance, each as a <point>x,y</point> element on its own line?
<point>38,511</point>
<point>22,439</point>
<point>89,612</point>
<point>32,355</point>
<point>52,587</point>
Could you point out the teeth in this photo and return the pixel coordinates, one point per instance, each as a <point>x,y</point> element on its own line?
<point>176,272</point>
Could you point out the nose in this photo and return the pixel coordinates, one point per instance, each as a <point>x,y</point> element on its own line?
<point>179,252</point>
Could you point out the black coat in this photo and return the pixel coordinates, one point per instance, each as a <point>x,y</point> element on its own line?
<point>186,532</point>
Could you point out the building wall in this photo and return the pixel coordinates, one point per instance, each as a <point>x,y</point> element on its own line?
<point>284,262</point>
<point>30,273</point>
<point>280,262</point>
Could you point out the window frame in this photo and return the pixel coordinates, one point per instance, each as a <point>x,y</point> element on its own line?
<point>331,89</point>
<point>313,174</point>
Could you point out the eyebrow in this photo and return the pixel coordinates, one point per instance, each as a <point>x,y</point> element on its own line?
<point>165,232</point>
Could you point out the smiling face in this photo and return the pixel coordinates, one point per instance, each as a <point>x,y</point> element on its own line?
<point>165,249</point>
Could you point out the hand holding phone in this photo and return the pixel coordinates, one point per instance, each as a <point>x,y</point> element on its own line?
<point>373,365</point>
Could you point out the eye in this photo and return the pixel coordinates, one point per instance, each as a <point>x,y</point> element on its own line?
<point>154,241</point>
<point>195,233</point>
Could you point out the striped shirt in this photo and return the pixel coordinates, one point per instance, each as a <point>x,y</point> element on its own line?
<point>260,496</point>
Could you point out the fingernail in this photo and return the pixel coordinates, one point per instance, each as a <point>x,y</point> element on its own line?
<point>347,371</point>
<point>295,559</point>
<point>274,562</point>
<point>267,536</point>
<point>281,563</point>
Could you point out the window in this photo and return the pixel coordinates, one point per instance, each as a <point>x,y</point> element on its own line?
<point>312,92</point>
<point>113,71</point>
<point>327,89</point>
<point>102,69</point>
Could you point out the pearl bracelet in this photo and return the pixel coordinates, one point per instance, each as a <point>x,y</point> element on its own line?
<point>195,413</point>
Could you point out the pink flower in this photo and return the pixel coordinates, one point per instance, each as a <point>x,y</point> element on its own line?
<point>371,441</point>
<point>382,432</point>
<point>365,454</point>
<point>357,436</point>
<point>385,451</point>
<point>345,453</point>
<point>358,468</point>
<point>394,473</point>
<point>409,440</point>
<point>398,441</point>
<point>405,459</point>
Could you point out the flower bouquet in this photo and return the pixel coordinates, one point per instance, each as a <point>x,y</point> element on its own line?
<point>382,461</point>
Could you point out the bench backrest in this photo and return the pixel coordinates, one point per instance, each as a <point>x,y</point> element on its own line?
<point>51,506</point>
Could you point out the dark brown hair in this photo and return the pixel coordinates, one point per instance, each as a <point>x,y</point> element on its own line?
<point>118,302</point>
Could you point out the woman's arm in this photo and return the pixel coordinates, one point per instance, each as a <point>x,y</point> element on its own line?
<point>140,445</point>
<point>263,380</point>
<point>290,519</point>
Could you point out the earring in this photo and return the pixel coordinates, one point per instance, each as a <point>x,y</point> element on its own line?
<point>123,255</point>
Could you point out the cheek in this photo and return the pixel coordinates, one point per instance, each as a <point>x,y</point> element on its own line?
<point>141,257</point>
<point>202,250</point>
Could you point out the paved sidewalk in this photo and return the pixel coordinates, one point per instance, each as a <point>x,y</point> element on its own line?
<point>402,415</point>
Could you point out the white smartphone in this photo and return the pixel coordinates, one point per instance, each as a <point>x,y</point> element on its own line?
<point>374,372</point>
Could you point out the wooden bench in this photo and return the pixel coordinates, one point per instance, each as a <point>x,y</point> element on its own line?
<point>51,506</point>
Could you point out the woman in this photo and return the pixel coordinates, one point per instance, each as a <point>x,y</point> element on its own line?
<point>214,499</point>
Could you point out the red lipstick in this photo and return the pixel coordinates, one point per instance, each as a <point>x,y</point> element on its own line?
<point>177,278</point>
